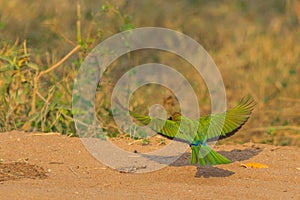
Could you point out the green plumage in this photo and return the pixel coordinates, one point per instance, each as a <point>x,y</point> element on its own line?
<point>197,132</point>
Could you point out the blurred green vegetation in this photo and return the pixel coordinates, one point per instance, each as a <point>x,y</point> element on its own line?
<point>254,43</point>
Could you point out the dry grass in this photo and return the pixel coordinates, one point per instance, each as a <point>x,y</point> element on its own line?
<point>254,44</point>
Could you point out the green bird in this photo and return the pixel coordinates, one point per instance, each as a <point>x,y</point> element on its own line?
<point>197,133</point>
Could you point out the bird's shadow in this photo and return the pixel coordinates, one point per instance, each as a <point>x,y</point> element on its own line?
<point>212,171</point>
<point>206,171</point>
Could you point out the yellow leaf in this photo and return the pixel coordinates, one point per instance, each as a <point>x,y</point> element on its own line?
<point>298,168</point>
<point>254,165</point>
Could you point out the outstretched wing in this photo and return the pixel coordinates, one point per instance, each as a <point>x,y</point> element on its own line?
<point>166,128</point>
<point>234,119</point>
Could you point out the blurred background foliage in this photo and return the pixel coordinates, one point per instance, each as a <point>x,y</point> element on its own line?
<point>254,43</point>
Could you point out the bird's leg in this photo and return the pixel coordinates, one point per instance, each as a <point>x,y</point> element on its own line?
<point>197,142</point>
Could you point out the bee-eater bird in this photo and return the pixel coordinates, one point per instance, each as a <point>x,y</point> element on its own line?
<point>206,129</point>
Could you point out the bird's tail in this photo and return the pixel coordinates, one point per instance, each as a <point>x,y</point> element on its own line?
<point>206,156</point>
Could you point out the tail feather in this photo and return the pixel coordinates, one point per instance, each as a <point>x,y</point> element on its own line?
<point>206,156</point>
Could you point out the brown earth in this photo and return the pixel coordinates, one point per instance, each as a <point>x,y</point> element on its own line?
<point>41,166</point>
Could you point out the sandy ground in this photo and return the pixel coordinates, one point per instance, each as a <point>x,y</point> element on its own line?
<point>34,166</point>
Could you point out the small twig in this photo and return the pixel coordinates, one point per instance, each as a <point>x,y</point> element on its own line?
<point>41,96</point>
<point>78,23</point>
<point>56,163</point>
<point>56,29</point>
<point>38,75</point>
<point>70,118</point>
<point>35,90</point>
<point>131,143</point>
<point>131,169</point>
<point>25,50</point>
<point>56,119</point>
<point>70,168</point>
<point>59,63</point>
<point>45,107</point>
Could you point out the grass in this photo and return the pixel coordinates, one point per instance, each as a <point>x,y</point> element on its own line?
<point>253,43</point>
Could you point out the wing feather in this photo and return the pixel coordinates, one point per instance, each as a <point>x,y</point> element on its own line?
<point>234,119</point>
<point>166,128</point>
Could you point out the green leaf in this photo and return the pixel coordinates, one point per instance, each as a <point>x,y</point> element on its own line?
<point>25,55</point>
<point>127,27</point>
<point>292,71</point>
<point>33,66</point>
<point>105,8</point>
<point>5,58</point>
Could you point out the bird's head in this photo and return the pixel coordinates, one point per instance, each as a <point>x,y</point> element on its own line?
<point>175,116</point>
